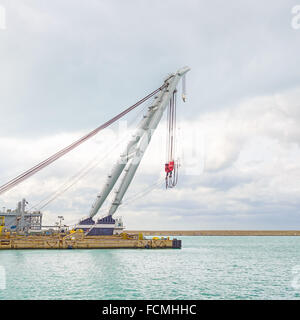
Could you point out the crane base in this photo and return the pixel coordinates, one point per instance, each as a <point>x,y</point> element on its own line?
<point>106,226</point>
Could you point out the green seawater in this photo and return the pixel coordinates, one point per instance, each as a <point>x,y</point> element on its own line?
<point>206,268</point>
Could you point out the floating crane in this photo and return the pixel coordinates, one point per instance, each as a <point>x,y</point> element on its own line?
<point>129,160</point>
<point>131,157</point>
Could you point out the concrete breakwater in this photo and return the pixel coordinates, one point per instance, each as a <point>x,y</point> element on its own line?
<point>218,232</point>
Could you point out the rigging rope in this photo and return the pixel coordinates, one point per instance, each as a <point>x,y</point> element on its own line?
<point>134,197</point>
<point>141,194</point>
<point>171,167</point>
<point>10,184</point>
<point>184,88</point>
<point>83,171</point>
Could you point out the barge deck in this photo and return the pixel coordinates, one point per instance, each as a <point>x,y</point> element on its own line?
<point>81,241</point>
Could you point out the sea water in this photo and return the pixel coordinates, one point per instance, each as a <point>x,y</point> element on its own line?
<point>213,267</point>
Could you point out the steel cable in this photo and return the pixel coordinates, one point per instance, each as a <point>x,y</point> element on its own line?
<point>83,171</point>
<point>10,184</point>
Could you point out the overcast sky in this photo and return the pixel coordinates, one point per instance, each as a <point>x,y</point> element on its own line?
<point>66,66</point>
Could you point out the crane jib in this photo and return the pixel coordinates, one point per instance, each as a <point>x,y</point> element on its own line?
<point>166,97</point>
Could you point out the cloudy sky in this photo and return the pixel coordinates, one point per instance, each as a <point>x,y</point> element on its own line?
<point>66,66</point>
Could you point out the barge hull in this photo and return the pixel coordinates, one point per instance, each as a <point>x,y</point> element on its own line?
<point>50,242</point>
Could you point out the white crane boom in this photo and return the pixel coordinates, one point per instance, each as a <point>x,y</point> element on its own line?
<point>132,156</point>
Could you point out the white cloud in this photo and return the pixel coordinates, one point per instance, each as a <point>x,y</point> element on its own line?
<point>66,66</point>
<point>249,180</point>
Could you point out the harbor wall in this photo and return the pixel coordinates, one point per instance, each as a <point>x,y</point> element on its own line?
<point>217,232</point>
